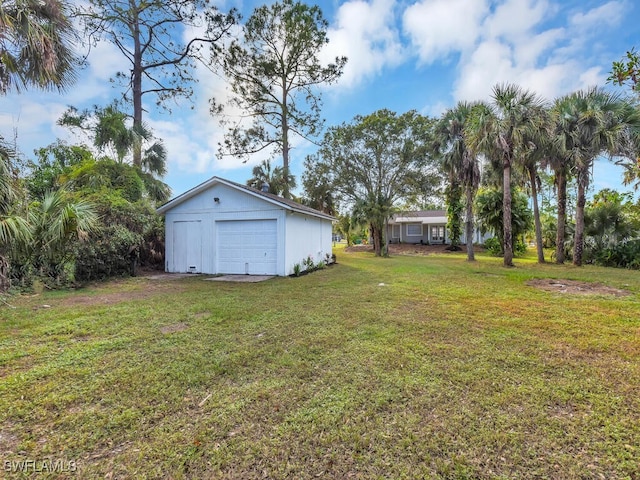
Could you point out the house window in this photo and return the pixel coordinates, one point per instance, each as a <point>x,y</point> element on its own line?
<point>437,233</point>
<point>414,229</point>
<point>395,231</point>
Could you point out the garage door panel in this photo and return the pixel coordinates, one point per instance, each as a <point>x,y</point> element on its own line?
<point>247,246</point>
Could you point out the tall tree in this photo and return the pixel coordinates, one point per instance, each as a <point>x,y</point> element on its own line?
<point>592,122</point>
<point>373,175</point>
<point>36,45</point>
<point>499,130</point>
<point>274,73</point>
<point>460,163</point>
<point>538,146</point>
<point>147,33</point>
<point>562,164</point>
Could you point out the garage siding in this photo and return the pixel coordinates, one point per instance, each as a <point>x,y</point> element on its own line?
<point>306,237</point>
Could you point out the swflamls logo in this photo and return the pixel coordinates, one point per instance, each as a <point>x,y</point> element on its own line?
<point>46,465</point>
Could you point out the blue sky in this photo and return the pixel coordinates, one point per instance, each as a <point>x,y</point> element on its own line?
<point>424,55</point>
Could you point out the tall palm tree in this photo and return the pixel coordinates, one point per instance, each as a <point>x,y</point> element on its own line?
<point>538,146</point>
<point>500,130</point>
<point>590,123</point>
<point>36,45</point>
<point>561,162</point>
<point>460,163</point>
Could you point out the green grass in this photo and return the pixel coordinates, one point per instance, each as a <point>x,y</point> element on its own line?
<point>448,370</point>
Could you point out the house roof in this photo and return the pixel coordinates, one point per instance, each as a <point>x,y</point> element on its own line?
<point>420,216</point>
<point>269,197</point>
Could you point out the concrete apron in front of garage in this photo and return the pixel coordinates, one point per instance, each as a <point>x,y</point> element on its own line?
<point>240,278</point>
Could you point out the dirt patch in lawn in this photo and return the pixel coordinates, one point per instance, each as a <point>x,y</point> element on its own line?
<point>574,287</point>
<point>410,249</point>
<point>140,292</point>
<point>174,328</point>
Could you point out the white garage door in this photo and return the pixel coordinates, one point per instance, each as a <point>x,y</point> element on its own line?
<point>247,247</point>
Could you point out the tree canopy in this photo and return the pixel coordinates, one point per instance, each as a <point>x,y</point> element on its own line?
<point>274,73</point>
<point>148,33</point>
<point>36,45</point>
<point>376,160</point>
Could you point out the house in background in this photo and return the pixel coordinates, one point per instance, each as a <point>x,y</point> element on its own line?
<point>428,227</point>
<point>225,227</point>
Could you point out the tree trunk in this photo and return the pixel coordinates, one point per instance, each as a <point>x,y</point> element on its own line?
<point>579,235</point>
<point>468,231</point>
<point>5,281</point>
<point>136,86</point>
<point>285,141</point>
<point>506,215</point>
<point>376,236</point>
<point>536,213</point>
<point>561,181</point>
<point>385,237</point>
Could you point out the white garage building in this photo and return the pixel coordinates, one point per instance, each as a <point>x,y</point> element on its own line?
<point>225,227</point>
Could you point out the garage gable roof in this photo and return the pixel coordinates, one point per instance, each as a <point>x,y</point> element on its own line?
<point>269,197</point>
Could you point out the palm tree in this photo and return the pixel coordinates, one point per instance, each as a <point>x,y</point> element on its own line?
<point>500,130</point>
<point>590,123</point>
<point>14,229</point>
<point>56,222</point>
<point>274,177</point>
<point>561,162</point>
<point>538,146</point>
<point>111,134</point>
<point>36,45</point>
<point>460,163</point>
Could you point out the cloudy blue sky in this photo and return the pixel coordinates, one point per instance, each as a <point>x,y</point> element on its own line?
<point>424,55</point>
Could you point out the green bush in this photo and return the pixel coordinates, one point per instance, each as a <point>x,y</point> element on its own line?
<point>107,254</point>
<point>493,246</point>
<point>623,255</point>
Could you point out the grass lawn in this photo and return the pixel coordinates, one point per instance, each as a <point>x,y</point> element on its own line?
<point>406,367</point>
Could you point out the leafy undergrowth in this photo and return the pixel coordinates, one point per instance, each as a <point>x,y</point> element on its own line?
<point>406,367</point>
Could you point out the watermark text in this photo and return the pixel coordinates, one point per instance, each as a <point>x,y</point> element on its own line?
<point>45,465</point>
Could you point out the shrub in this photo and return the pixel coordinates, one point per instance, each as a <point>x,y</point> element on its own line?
<point>297,269</point>
<point>109,253</point>
<point>493,246</point>
<point>623,255</point>
<point>308,263</point>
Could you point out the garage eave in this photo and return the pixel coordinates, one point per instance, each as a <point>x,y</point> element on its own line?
<point>268,197</point>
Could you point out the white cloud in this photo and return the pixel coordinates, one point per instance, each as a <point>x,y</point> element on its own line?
<point>515,18</point>
<point>439,27</point>
<point>610,14</point>
<point>365,32</point>
<point>516,47</point>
